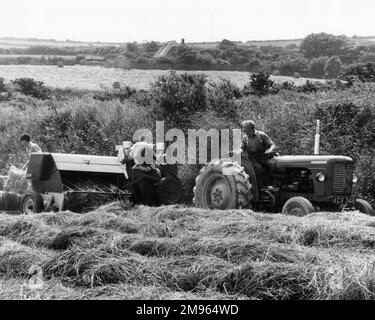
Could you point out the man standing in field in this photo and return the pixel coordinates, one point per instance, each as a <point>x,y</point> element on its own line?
<point>255,144</point>
<point>29,146</point>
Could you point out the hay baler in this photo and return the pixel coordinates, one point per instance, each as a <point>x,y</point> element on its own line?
<point>58,181</point>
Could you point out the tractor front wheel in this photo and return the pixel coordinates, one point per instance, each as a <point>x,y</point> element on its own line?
<point>32,202</point>
<point>364,207</point>
<point>297,206</point>
<point>222,184</point>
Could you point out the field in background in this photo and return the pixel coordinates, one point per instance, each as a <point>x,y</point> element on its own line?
<point>186,253</point>
<point>93,77</point>
<point>27,43</point>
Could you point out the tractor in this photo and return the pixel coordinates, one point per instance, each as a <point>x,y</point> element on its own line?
<point>297,185</point>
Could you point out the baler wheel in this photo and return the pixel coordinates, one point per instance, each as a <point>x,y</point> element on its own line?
<point>32,202</point>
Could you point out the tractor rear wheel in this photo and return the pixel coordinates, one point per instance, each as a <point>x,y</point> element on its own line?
<point>222,184</point>
<point>364,207</point>
<point>297,206</point>
<point>32,202</point>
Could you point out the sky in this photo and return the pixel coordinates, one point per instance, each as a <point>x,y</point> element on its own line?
<point>193,20</point>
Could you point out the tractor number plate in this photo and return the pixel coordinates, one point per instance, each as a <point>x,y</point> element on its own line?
<point>343,200</point>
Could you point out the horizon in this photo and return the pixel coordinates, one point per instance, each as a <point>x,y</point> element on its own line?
<point>11,38</point>
<point>195,21</point>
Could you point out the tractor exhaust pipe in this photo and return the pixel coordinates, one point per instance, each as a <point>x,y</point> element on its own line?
<point>317,138</point>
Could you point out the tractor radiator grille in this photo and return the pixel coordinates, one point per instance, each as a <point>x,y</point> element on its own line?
<point>342,178</point>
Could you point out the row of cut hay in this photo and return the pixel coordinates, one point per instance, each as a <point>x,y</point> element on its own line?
<point>276,281</point>
<point>20,289</point>
<point>346,229</point>
<point>97,219</point>
<point>155,292</point>
<point>284,281</point>
<point>107,220</point>
<point>336,279</point>
<point>32,231</point>
<point>96,267</point>
<point>80,230</point>
<point>16,259</point>
<point>229,249</point>
<point>27,230</point>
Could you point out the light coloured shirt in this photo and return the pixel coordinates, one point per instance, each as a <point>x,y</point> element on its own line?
<point>33,148</point>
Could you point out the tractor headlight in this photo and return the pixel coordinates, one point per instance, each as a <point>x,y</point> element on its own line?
<point>355,179</point>
<point>320,177</point>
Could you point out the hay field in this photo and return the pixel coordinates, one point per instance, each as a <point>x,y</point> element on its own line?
<point>94,77</point>
<point>178,252</point>
<point>27,43</point>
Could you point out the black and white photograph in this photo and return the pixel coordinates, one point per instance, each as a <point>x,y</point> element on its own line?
<point>209,153</point>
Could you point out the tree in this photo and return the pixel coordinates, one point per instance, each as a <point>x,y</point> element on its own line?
<point>292,65</point>
<point>132,47</point>
<point>186,55</point>
<point>333,67</point>
<point>364,72</point>
<point>226,44</point>
<point>260,83</point>
<point>316,67</point>
<point>151,47</point>
<point>323,44</point>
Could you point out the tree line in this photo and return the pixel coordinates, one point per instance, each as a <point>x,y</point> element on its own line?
<point>319,55</point>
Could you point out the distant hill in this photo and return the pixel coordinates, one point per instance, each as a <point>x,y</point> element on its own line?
<point>11,42</point>
<point>278,43</point>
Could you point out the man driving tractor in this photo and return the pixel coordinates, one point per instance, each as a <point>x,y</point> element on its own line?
<point>256,144</point>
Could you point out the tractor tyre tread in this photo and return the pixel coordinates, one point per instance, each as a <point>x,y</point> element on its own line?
<point>241,183</point>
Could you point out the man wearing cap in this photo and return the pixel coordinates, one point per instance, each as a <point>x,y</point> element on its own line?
<point>255,144</point>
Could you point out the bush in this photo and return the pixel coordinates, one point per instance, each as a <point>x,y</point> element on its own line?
<point>2,85</point>
<point>260,83</point>
<point>348,126</point>
<point>31,87</point>
<point>176,97</point>
<point>164,60</point>
<point>222,98</point>
<point>333,67</point>
<point>316,67</point>
<point>364,72</point>
<point>122,92</point>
